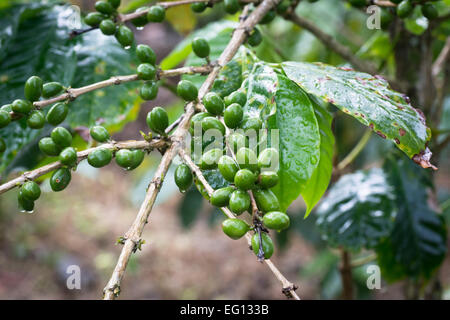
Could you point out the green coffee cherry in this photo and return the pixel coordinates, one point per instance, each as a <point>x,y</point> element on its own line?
<point>146,71</point>
<point>141,20</point>
<point>197,118</point>
<point>61,136</point>
<point>33,88</point>
<point>200,46</point>
<point>124,158</point>
<point>385,18</point>
<point>213,103</point>
<point>2,145</point>
<point>267,179</point>
<point>276,220</point>
<point>60,179</point>
<point>209,123</point>
<point>30,190</point>
<point>267,244</point>
<point>21,106</point>
<point>210,159</point>
<point>108,27</point>
<point>93,19</point>
<point>231,6</point>
<point>68,157</point>
<point>99,134</point>
<point>429,11</point>
<point>246,159</point>
<point>149,90</point>
<point>238,97</point>
<point>156,14</point>
<point>237,141</point>
<point>268,18</point>
<point>146,54</point>
<point>24,203</point>
<point>235,228</point>
<point>404,9</point>
<point>255,38</point>
<point>157,120</point>
<point>252,124</point>
<point>239,201</point>
<point>125,36</point>
<point>266,200</point>
<point>104,7</point>
<point>36,119</point>
<point>51,89</point>
<point>244,179</point>
<point>228,168</point>
<point>233,115</point>
<point>114,3</point>
<point>138,157</point>
<point>99,157</point>
<point>198,7</point>
<point>268,158</point>
<point>57,113</point>
<point>6,107</point>
<point>5,118</point>
<point>358,3</point>
<point>49,147</point>
<point>221,197</point>
<point>183,177</point>
<point>187,90</point>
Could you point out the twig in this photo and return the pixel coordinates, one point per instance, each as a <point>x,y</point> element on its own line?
<point>132,237</point>
<point>383,3</point>
<point>355,151</point>
<point>439,63</point>
<point>31,175</point>
<point>364,260</point>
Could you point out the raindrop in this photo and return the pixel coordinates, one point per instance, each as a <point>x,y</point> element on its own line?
<point>139,28</point>
<point>127,47</point>
<point>313,160</point>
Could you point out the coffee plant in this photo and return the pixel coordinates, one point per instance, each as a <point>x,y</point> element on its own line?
<point>257,130</point>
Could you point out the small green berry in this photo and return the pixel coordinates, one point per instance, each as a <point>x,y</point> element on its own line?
<point>99,134</point>
<point>36,119</point>
<point>68,157</point>
<point>156,14</point>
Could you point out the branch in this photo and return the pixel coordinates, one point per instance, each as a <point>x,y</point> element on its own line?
<point>383,3</point>
<point>31,175</point>
<point>132,237</point>
<point>355,151</point>
<point>439,63</point>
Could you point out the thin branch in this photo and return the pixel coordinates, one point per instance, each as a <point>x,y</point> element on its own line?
<point>31,175</point>
<point>383,3</point>
<point>132,237</point>
<point>440,61</point>
<point>355,151</point>
<point>346,275</point>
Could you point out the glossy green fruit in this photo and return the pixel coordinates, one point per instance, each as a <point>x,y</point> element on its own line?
<point>100,157</point>
<point>235,228</point>
<point>239,201</point>
<point>231,6</point>
<point>209,123</point>
<point>358,3</point>
<point>276,220</point>
<point>31,190</point>
<point>61,136</point>
<point>252,124</point>
<point>244,179</point>
<point>213,103</point>
<point>146,54</point>
<point>266,200</point>
<point>221,197</point>
<point>238,97</point>
<point>255,38</point>
<point>93,19</point>
<point>267,244</point>
<point>157,120</point>
<point>149,90</point>
<point>141,20</point>
<point>200,46</point>
<point>68,157</point>
<point>183,177</point>
<point>33,88</point>
<point>156,14</point>
<point>2,145</point>
<point>233,115</point>
<point>49,147</point>
<point>138,157</point>
<point>146,71</point>
<point>385,18</point>
<point>196,121</point>
<point>24,203</point>
<point>22,106</point>
<point>268,18</point>
<point>429,11</point>
<point>36,119</point>
<point>51,89</point>
<point>60,179</point>
<point>198,7</point>
<point>210,159</point>
<point>125,36</point>
<point>104,7</point>
<point>237,141</point>
<point>114,3</point>
<point>6,107</point>
<point>57,113</point>
<point>268,179</point>
<point>246,159</point>
<point>5,118</point>
<point>124,158</point>
<point>228,168</point>
<point>99,134</point>
<point>187,90</point>
<point>268,158</point>
<point>108,27</point>
<point>404,9</point>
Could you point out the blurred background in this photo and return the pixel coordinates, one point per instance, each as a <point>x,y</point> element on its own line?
<point>186,255</point>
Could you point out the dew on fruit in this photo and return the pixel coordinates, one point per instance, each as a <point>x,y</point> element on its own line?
<point>127,47</point>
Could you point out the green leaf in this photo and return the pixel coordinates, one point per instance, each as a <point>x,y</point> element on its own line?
<point>190,207</point>
<point>369,100</point>
<point>417,244</point>
<point>318,183</point>
<point>358,211</point>
<point>299,140</point>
